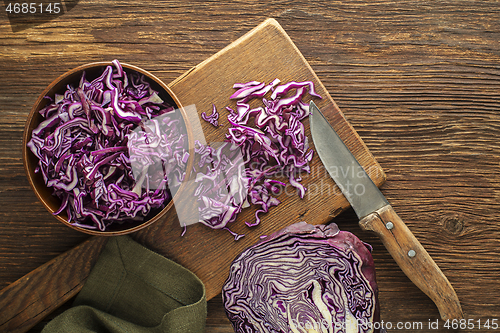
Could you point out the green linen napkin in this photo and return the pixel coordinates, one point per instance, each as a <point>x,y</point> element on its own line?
<point>132,289</point>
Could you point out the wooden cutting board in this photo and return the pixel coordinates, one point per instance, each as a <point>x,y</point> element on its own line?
<point>263,54</point>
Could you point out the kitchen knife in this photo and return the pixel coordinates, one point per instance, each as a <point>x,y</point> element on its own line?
<point>376,214</point>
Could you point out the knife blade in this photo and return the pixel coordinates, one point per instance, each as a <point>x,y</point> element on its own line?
<point>376,214</point>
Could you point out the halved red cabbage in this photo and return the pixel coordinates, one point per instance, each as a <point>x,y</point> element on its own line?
<point>111,149</point>
<point>303,278</point>
<point>272,144</point>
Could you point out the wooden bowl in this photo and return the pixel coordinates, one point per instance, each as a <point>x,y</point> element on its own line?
<point>44,193</point>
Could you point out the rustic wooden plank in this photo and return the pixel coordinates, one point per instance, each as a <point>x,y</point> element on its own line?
<point>28,300</point>
<point>419,81</point>
<point>256,56</point>
<point>208,253</point>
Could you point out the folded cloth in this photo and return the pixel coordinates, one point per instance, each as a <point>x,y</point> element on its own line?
<point>132,289</point>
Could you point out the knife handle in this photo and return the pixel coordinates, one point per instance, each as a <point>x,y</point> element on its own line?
<point>414,260</point>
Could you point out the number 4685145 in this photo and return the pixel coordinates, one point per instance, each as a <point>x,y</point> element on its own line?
<point>33,8</point>
<point>489,324</point>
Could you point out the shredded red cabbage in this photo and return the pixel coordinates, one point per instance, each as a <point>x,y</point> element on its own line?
<point>276,143</point>
<point>263,144</point>
<point>112,149</point>
<point>304,278</point>
<point>213,118</point>
<point>222,184</point>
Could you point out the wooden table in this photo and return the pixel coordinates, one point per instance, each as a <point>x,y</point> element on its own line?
<point>419,81</point>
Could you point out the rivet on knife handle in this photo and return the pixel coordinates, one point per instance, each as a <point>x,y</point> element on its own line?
<point>414,260</point>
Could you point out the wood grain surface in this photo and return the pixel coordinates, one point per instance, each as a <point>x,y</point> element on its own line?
<point>258,55</point>
<point>208,253</point>
<point>27,301</point>
<point>419,81</point>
